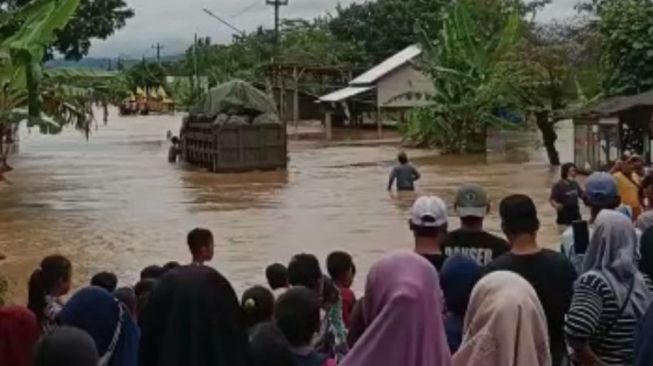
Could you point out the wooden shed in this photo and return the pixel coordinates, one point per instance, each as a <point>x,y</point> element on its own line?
<point>607,129</point>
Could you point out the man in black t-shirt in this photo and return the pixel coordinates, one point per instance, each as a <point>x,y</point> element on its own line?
<point>428,222</point>
<point>471,240</point>
<point>550,273</point>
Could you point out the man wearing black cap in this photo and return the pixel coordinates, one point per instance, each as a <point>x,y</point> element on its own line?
<point>471,240</point>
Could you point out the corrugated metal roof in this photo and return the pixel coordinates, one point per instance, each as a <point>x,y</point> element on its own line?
<point>614,105</point>
<point>345,93</point>
<point>372,75</point>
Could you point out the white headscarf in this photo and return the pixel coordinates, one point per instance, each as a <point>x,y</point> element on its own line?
<point>612,254</point>
<point>505,325</point>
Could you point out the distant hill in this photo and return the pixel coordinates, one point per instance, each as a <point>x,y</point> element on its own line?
<point>102,63</point>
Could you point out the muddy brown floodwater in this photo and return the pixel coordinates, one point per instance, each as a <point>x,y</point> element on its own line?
<point>114,203</point>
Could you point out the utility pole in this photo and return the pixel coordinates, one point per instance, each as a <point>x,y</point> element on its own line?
<point>158,47</point>
<point>195,69</point>
<point>277,4</point>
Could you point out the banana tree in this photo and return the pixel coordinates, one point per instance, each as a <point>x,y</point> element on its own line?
<point>21,56</point>
<point>477,83</point>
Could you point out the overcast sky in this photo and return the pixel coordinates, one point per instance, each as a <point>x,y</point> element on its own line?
<point>174,22</point>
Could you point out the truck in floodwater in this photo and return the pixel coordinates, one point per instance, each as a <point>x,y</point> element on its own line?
<point>234,127</point>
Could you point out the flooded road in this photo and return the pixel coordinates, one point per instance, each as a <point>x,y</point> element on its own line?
<point>114,203</point>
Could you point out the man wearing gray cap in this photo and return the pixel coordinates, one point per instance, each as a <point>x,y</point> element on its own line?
<point>471,240</point>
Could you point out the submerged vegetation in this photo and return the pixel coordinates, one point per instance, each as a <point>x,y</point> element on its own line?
<point>491,65</point>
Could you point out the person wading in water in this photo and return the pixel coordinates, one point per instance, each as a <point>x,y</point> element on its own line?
<point>404,173</point>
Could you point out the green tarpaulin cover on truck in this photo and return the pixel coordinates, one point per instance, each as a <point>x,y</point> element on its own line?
<point>234,97</point>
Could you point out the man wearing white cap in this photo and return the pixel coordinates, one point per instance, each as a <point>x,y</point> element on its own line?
<point>428,222</point>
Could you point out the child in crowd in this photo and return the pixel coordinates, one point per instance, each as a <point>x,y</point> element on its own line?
<point>153,272</point>
<point>105,280</point>
<point>142,291</point>
<point>304,270</point>
<point>457,279</point>
<point>127,296</point>
<point>342,270</point>
<point>66,346</point>
<point>258,307</point>
<point>170,266</point>
<point>46,286</point>
<point>200,243</point>
<point>277,276</point>
<point>19,331</point>
<point>297,314</point>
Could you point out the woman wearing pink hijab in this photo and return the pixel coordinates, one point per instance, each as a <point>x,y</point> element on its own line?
<point>505,325</point>
<point>402,314</point>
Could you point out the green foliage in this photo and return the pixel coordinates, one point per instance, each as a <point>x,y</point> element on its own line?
<point>626,38</point>
<point>145,75</point>
<point>94,19</point>
<point>474,77</point>
<point>375,30</point>
<point>53,98</point>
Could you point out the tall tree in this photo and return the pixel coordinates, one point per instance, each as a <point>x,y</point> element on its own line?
<point>94,19</point>
<point>381,28</point>
<point>563,71</point>
<point>625,28</point>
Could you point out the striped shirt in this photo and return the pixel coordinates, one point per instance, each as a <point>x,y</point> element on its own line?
<point>594,317</point>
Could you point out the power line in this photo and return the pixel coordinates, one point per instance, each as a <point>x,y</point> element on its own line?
<point>246,9</point>
<point>211,14</point>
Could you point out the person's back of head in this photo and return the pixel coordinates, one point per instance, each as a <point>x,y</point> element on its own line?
<point>304,270</point>
<point>601,193</point>
<point>566,171</point>
<point>269,347</point>
<point>277,276</point>
<point>170,266</point>
<point>458,277</point>
<point>402,158</point>
<point>428,218</point>
<point>472,204</point>
<point>105,280</point>
<point>340,266</point>
<point>66,346</point>
<point>258,305</point>
<point>19,331</point>
<point>297,314</point>
<point>151,272</point>
<point>53,277</point>
<point>200,243</point>
<point>518,216</point>
<point>127,296</point>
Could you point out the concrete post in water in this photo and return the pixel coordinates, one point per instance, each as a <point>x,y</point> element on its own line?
<point>295,102</point>
<point>379,122</point>
<point>327,123</point>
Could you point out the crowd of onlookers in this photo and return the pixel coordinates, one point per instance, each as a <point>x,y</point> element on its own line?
<point>462,297</point>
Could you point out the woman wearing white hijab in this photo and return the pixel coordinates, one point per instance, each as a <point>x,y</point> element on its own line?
<point>610,297</point>
<point>505,325</point>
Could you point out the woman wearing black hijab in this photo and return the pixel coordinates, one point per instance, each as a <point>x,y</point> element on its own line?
<point>193,318</point>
